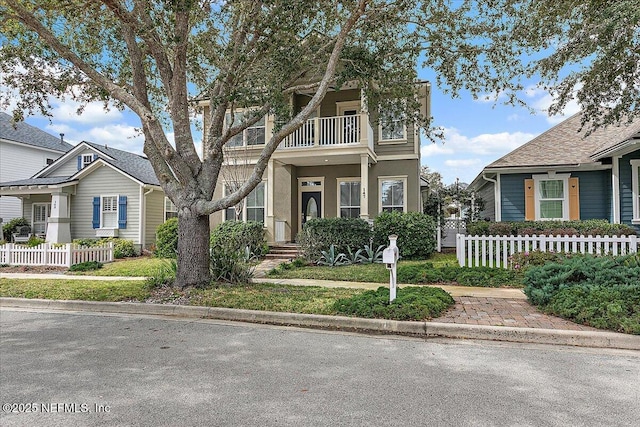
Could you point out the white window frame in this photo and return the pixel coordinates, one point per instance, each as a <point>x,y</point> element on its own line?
<point>339,181</point>
<point>564,177</point>
<point>245,132</point>
<point>382,179</point>
<point>33,217</point>
<point>102,211</point>
<point>225,185</point>
<point>86,160</point>
<point>169,207</point>
<point>635,190</point>
<point>382,140</point>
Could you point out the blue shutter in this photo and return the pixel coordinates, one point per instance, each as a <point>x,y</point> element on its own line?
<point>95,156</point>
<point>122,212</point>
<point>79,162</point>
<point>96,212</point>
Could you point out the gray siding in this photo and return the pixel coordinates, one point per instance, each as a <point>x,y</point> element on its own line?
<point>104,181</point>
<point>70,166</point>
<point>626,196</point>
<point>488,196</point>
<point>154,215</point>
<point>512,196</point>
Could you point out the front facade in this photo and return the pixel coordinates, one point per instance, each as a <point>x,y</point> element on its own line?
<point>564,174</point>
<point>92,191</point>
<point>339,164</point>
<point>24,150</point>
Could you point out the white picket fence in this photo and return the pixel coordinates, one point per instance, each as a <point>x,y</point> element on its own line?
<point>54,255</point>
<point>494,251</point>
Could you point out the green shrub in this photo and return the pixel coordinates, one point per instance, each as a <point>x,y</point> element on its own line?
<point>122,248</point>
<point>237,235</point>
<point>87,243</point>
<point>34,241</point>
<point>86,266</point>
<point>12,227</point>
<point>522,261</point>
<point>167,239</point>
<point>464,276</point>
<point>416,233</point>
<point>165,274</point>
<point>592,227</point>
<point>228,264</point>
<point>616,308</point>
<point>411,303</point>
<point>320,233</point>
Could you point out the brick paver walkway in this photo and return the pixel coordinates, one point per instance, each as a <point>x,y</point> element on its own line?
<point>504,312</point>
<point>267,265</point>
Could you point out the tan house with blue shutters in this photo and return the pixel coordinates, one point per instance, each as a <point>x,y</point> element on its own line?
<point>564,174</point>
<point>346,161</point>
<point>93,191</point>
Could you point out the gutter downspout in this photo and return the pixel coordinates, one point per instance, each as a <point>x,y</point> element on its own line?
<point>496,196</point>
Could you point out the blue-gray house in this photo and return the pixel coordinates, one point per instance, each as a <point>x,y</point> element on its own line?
<point>565,174</point>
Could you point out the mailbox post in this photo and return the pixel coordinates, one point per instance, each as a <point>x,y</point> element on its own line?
<point>390,257</point>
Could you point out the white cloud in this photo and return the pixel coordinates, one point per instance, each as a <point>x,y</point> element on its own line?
<point>93,113</point>
<point>495,144</point>
<point>463,163</point>
<point>542,101</point>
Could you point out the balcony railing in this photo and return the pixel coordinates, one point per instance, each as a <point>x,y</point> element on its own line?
<point>328,132</point>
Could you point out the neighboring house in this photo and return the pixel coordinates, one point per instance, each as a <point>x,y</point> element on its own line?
<point>93,191</point>
<point>24,150</point>
<point>341,163</point>
<point>567,175</point>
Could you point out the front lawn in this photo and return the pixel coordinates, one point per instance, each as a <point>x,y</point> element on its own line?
<point>129,267</point>
<point>69,289</point>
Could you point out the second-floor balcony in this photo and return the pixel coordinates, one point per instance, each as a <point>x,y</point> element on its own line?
<point>338,131</point>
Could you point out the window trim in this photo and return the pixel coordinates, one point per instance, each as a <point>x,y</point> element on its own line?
<point>339,181</point>
<point>402,178</point>
<point>635,190</point>
<point>33,217</point>
<point>117,211</point>
<point>244,205</point>
<point>564,177</point>
<point>167,199</point>
<point>84,160</point>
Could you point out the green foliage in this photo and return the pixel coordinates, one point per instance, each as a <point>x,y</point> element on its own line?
<point>12,227</point>
<point>167,239</point>
<point>87,243</point>
<point>523,260</point>
<point>411,303</point>
<point>416,233</point>
<point>238,235</point>
<point>122,248</point>
<point>332,258</point>
<point>542,282</point>
<point>464,276</point>
<point>320,233</point>
<point>369,256</point>
<point>228,265</point>
<point>592,227</point>
<point>34,241</point>
<point>86,266</point>
<point>164,275</point>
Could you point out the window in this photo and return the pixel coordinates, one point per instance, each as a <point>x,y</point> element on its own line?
<point>392,194</point>
<point>49,161</point>
<point>551,195</point>
<point>170,210</point>
<point>349,198</point>
<point>109,218</point>
<point>392,128</point>
<point>41,211</point>
<point>635,190</point>
<point>253,135</point>
<point>252,208</point>
<point>86,159</point>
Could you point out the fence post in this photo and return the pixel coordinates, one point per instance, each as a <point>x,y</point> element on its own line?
<point>9,248</point>
<point>69,255</point>
<point>460,250</point>
<point>633,244</point>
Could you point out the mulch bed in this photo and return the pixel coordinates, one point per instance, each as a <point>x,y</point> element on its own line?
<point>34,269</point>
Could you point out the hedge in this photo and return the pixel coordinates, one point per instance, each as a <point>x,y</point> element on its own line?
<point>416,233</point>
<point>592,227</point>
<point>320,233</point>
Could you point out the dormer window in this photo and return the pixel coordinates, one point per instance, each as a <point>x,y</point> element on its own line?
<point>86,159</point>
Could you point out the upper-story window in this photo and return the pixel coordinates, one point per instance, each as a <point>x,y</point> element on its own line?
<point>86,159</point>
<point>392,127</point>
<point>253,135</point>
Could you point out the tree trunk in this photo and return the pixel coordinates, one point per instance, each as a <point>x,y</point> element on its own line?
<point>193,249</point>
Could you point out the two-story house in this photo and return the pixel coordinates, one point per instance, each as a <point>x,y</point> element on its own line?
<point>24,150</point>
<point>343,162</point>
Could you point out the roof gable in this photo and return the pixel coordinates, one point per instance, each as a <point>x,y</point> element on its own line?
<point>24,133</point>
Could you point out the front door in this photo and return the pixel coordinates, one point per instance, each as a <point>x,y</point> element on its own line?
<point>311,205</point>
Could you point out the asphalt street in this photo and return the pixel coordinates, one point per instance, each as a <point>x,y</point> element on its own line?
<point>86,369</point>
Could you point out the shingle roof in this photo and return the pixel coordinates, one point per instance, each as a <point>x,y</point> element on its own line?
<point>135,165</point>
<point>564,145</point>
<point>37,181</point>
<point>30,135</point>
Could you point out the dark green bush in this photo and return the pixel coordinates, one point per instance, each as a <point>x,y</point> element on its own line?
<point>416,233</point>
<point>86,266</point>
<point>522,261</point>
<point>319,234</point>
<point>464,276</point>
<point>541,283</point>
<point>239,235</point>
<point>411,303</point>
<point>592,227</point>
<point>616,308</point>
<point>12,227</point>
<point>167,239</point>
<point>122,248</point>
<point>229,264</point>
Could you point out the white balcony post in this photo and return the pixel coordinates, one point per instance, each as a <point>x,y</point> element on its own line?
<point>364,186</point>
<point>59,223</point>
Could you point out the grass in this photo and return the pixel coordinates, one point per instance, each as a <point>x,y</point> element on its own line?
<point>68,289</point>
<point>129,267</point>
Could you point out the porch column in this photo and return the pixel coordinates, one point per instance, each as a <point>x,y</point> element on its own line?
<point>271,225</point>
<point>615,189</point>
<point>364,186</point>
<point>59,223</point>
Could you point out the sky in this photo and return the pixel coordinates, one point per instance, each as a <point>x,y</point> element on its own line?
<point>477,132</point>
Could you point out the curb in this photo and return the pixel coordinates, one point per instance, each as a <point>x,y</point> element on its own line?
<point>380,326</point>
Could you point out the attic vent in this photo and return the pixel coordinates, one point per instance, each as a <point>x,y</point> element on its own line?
<point>62,138</point>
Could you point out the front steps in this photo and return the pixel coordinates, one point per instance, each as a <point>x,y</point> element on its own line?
<point>283,251</point>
